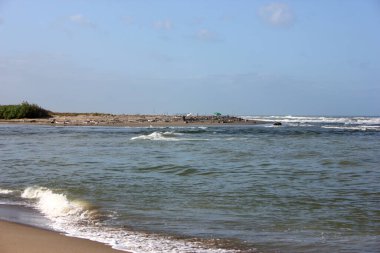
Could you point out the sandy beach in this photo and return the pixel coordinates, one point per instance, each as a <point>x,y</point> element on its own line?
<point>94,119</point>
<point>16,238</point>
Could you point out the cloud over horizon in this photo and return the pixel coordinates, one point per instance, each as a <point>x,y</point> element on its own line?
<point>277,14</point>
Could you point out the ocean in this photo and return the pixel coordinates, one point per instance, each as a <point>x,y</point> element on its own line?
<point>309,185</point>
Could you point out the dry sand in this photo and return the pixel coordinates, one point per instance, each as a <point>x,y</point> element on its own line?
<point>16,238</point>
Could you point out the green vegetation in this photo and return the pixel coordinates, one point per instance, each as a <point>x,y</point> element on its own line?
<point>24,110</point>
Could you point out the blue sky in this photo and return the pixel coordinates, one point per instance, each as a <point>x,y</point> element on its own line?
<point>240,57</point>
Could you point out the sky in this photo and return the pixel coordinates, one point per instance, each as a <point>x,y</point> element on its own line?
<point>239,57</point>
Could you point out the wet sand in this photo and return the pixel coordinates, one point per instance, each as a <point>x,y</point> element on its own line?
<point>16,238</point>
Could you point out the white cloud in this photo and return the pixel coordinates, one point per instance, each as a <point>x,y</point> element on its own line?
<point>163,24</point>
<point>81,20</point>
<point>277,14</point>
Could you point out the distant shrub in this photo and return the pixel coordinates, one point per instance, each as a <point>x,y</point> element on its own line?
<point>23,110</point>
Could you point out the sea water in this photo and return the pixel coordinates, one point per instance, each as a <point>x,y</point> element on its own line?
<point>310,185</point>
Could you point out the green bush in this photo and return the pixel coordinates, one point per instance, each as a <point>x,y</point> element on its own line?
<point>24,110</point>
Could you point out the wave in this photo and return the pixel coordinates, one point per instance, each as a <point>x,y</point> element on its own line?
<point>58,208</point>
<point>158,136</point>
<point>322,119</point>
<point>166,136</point>
<point>193,130</point>
<point>363,124</point>
<point>5,191</point>
<point>80,219</point>
<point>357,128</point>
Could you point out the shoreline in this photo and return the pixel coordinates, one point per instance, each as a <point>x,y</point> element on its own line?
<point>133,120</point>
<point>19,238</point>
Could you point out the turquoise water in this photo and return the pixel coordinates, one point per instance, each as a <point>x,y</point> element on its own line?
<point>310,185</point>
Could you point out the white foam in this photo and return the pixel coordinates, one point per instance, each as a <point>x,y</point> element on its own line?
<point>360,128</point>
<point>5,191</point>
<point>311,120</point>
<point>58,208</point>
<point>158,136</point>
<point>144,243</point>
<point>73,217</point>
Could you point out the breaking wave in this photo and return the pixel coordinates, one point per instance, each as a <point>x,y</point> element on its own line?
<point>341,123</point>
<point>353,127</point>
<point>59,209</point>
<point>5,191</point>
<point>306,119</point>
<point>159,136</point>
<point>80,219</point>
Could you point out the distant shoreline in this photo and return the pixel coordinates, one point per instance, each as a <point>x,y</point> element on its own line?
<point>95,119</point>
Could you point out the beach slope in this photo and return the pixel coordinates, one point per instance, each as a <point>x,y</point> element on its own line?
<point>16,238</point>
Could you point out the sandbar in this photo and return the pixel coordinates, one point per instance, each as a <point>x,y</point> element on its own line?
<point>95,119</point>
